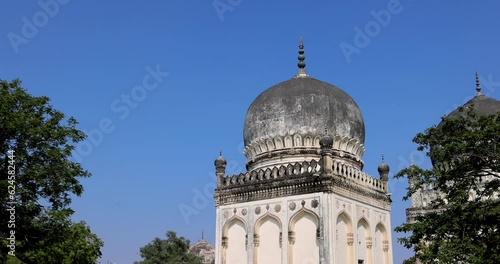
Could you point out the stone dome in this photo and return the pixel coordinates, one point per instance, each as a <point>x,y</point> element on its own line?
<point>306,106</point>
<point>482,105</point>
<point>302,108</point>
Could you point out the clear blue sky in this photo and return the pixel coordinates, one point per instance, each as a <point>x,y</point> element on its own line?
<point>157,152</point>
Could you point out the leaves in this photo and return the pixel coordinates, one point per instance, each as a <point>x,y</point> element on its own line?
<point>461,224</point>
<point>42,140</point>
<point>171,250</point>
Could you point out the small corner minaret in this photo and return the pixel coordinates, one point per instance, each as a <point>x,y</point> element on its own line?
<point>302,65</point>
<point>220,168</point>
<point>383,171</point>
<point>326,144</point>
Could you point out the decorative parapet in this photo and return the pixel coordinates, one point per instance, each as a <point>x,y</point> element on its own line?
<point>413,212</point>
<point>264,147</point>
<point>343,170</point>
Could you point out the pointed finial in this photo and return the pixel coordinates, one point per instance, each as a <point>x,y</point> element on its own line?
<point>220,152</point>
<point>302,65</point>
<point>326,130</point>
<point>411,159</point>
<point>382,157</point>
<point>201,234</point>
<point>478,85</point>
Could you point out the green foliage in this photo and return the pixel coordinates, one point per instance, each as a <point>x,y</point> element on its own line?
<point>45,178</point>
<point>458,228</point>
<point>171,250</point>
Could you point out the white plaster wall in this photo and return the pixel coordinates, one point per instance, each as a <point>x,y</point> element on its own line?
<point>378,252</point>
<point>305,250</point>
<point>329,207</point>
<point>343,251</point>
<point>236,252</point>
<point>355,211</point>
<point>269,249</point>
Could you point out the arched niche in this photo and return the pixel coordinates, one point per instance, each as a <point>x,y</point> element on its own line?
<point>234,241</point>
<point>381,244</point>
<point>344,239</point>
<point>303,237</point>
<point>267,239</point>
<point>364,241</point>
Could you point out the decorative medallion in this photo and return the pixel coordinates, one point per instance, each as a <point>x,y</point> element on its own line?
<point>292,206</point>
<point>314,203</point>
<point>234,211</point>
<point>257,210</point>
<point>303,203</point>
<point>277,208</point>
<point>267,207</point>
<point>226,214</point>
<point>244,212</point>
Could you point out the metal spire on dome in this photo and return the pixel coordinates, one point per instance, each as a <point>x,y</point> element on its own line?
<point>302,65</point>
<point>478,85</point>
<point>382,157</point>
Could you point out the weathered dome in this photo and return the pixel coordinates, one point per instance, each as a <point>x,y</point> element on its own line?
<point>285,123</point>
<point>482,105</point>
<point>303,105</point>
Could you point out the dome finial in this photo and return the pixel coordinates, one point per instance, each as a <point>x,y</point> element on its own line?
<point>382,157</point>
<point>478,85</point>
<point>302,65</point>
<point>220,152</point>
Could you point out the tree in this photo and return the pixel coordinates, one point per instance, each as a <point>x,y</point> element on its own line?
<point>458,227</point>
<point>171,250</point>
<point>37,179</point>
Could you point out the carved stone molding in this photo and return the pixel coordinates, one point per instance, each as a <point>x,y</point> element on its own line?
<point>256,240</point>
<point>299,143</point>
<point>224,241</point>
<point>257,210</point>
<point>291,237</point>
<point>350,239</point>
<point>369,242</point>
<point>281,238</point>
<point>385,245</point>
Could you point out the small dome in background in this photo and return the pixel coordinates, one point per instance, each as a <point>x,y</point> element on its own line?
<point>482,105</point>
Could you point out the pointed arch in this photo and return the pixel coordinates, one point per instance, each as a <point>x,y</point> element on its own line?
<point>364,241</point>
<point>303,237</point>
<point>381,244</point>
<point>234,241</point>
<point>267,239</point>
<point>343,239</point>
